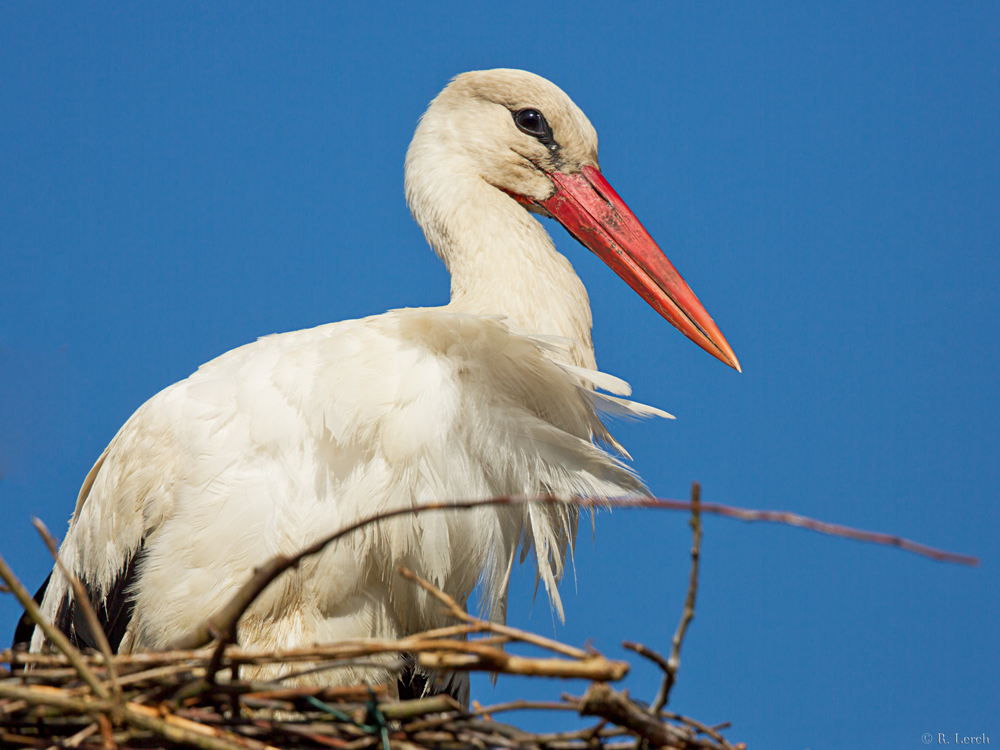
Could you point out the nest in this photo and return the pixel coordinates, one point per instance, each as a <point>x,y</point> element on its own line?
<point>193,695</point>
<point>196,697</point>
<point>163,700</point>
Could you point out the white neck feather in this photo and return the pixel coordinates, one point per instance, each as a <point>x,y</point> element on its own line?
<point>501,259</point>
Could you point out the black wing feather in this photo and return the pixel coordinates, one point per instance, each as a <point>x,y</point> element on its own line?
<point>415,683</point>
<point>119,602</point>
<point>25,625</point>
<point>114,610</point>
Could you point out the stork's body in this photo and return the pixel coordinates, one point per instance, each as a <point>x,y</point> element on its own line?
<point>276,443</point>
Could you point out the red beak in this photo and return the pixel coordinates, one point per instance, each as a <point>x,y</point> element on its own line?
<point>592,212</point>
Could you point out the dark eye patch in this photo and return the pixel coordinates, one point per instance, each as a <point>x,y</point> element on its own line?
<point>533,123</point>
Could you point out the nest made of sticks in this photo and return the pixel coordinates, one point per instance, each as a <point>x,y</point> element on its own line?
<point>193,695</point>
<point>195,698</point>
<point>161,700</point>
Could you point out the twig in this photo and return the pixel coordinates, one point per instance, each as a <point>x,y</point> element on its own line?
<point>74,709</point>
<point>158,675</point>
<point>76,739</point>
<point>487,711</point>
<point>493,660</point>
<point>597,730</point>
<point>654,656</point>
<point>188,732</point>
<point>674,662</point>
<point>107,732</point>
<point>146,659</point>
<point>9,706</point>
<point>601,700</point>
<point>54,698</point>
<point>712,732</point>
<point>457,610</point>
<point>434,704</point>
<point>521,705</point>
<point>520,635</point>
<point>83,601</point>
<point>803,522</point>
<point>53,633</point>
<point>222,625</point>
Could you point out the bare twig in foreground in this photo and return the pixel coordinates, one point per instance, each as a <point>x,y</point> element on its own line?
<point>82,601</point>
<point>803,522</point>
<point>671,665</point>
<point>222,625</point>
<point>53,633</point>
<point>674,662</point>
<point>601,700</point>
<point>654,656</point>
<point>518,635</point>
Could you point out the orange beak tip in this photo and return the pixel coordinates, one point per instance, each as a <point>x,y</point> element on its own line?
<point>599,219</point>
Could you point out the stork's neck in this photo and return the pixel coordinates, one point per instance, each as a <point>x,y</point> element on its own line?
<point>502,261</point>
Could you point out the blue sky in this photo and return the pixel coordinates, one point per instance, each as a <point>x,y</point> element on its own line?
<point>177,179</point>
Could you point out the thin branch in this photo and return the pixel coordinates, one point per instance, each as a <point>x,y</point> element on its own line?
<point>83,601</point>
<point>76,739</point>
<point>674,662</point>
<point>586,663</point>
<point>185,731</point>
<point>222,625</point>
<point>411,709</point>
<point>712,732</point>
<point>54,698</point>
<point>522,705</point>
<point>513,633</point>
<point>600,700</point>
<point>454,608</point>
<point>654,656</point>
<point>804,522</point>
<point>51,631</point>
<point>493,660</point>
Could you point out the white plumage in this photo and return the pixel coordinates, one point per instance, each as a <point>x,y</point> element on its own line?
<point>274,444</point>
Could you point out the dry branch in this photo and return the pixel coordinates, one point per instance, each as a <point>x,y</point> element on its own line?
<point>674,662</point>
<point>222,625</point>
<point>591,668</point>
<point>787,518</point>
<point>82,599</point>
<point>601,700</point>
<point>456,610</point>
<point>53,633</point>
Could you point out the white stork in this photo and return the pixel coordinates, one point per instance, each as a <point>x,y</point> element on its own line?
<point>278,442</point>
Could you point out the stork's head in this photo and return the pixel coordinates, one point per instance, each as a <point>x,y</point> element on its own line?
<point>524,136</point>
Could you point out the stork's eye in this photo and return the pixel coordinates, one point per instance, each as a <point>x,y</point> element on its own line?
<point>533,122</point>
